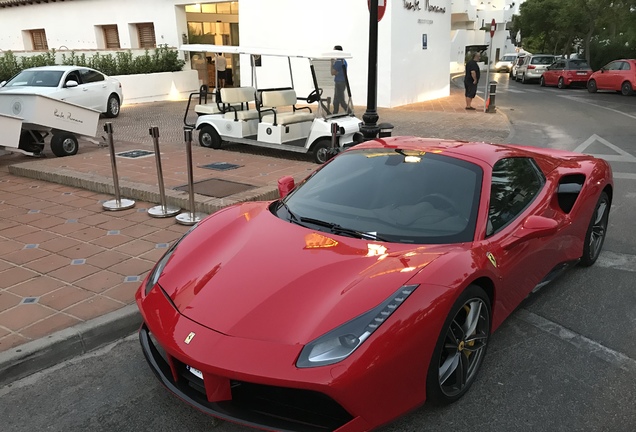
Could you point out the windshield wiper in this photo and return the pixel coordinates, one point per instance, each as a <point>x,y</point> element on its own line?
<point>337,229</point>
<point>292,217</point>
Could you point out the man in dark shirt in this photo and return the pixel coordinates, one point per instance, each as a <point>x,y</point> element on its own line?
<point>338,67</point>
<point>471,79</point>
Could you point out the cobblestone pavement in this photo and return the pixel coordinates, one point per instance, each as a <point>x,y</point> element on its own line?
<point>64,260</point>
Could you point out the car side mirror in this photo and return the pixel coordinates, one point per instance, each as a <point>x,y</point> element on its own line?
<point>285,186</point>
<point>71,84</point>
<point>2,83</point>
<point>533,227</point>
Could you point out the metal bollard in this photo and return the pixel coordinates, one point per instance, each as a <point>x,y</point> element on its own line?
<point>162,210</point>
<point>189,218</point>
<point>491,107</point>
<point>118,203</point>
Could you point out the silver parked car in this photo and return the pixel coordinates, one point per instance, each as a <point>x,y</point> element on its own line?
<point>533,67</point>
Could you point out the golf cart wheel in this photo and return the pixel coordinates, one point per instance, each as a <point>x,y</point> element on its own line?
<point>209,137</point>
<point>64,144</point>
<point>31,141</point>
<point>112,106</point>
<point>321,151</point>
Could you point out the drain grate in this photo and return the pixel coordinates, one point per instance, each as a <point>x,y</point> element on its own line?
<point>134,154</point>
<point>217,188</point>
<point>220,166</point>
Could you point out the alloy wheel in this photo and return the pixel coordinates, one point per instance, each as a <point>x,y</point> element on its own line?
<point>464,347</point>
<point>599,228</point>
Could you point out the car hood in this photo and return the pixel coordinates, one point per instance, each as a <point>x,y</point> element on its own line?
<point>246,273</point>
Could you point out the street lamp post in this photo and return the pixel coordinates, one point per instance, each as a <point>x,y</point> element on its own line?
<point>370,118</point>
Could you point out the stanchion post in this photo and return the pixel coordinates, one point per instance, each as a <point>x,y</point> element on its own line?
<point>162,210</point>
<point>491,105</point>
<point>190,217</point>
<point>118,203</point>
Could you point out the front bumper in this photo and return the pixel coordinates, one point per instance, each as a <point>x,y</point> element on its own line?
<point>256,383</point>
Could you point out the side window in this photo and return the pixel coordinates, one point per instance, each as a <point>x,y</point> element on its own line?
<point>625,66</point>
<point>73,76</point>
<point>515,184</point>
<point>89,76</point>
<point>614,66</point>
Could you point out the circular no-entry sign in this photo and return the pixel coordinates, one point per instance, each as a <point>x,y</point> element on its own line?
<point>381,8</point>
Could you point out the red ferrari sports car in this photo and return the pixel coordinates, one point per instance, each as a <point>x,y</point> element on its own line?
<point>370,287</point>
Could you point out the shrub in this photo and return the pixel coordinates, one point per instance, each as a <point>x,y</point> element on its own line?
<point>163,59</point>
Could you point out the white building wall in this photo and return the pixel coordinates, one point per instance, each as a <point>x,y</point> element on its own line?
<point>418,73</point>
<point>72,24</point>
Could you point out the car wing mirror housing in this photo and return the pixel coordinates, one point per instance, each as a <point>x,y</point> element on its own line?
<point>533,227</point>
<point>71,84</point>
<point>285,186</point>
<point>2,83</point>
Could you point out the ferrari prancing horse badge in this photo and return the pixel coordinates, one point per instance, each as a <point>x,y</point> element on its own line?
<point>189,338</point>
<point>492,259</point>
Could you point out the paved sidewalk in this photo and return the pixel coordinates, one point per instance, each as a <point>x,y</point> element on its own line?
<point>69,269</point>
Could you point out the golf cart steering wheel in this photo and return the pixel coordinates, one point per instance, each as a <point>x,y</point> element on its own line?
<point>314,96</point>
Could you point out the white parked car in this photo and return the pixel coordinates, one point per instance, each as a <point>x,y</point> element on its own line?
<point>79,85</point>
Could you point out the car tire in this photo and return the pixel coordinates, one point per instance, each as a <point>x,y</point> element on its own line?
<point>64,144</point>
<point>454,365</point>
<point>210,138</point>
<point>542,82</point>
<point>112,106</point>
<point>320,150</point>
<point>626,89</point>
<point>591,86</point>
<point>561,83</point>
<point>596,231</point>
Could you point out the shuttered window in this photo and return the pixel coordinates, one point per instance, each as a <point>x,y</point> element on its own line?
<point>39,40</point>
<point>146,33</point>
<point>111,36</point>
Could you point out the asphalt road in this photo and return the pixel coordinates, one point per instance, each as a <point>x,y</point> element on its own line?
<point>564,361</point>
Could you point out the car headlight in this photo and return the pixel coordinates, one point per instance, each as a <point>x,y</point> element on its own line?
<point>340,342</point>
<point>153,277</point>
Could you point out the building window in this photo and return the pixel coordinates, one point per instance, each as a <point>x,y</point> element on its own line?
<point>146,32</point>
<point>38,37</point>
<point>226,8</point>
<point>111,36</point>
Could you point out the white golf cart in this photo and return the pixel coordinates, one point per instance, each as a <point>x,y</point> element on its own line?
<point>265,113</point>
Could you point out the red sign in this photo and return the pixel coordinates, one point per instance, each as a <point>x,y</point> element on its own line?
<point>381,8</point>
<point>493,27</point>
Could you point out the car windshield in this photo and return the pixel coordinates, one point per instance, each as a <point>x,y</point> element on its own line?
<point>508,58</point>
<point>39,78</point>
<point>579,64</point>
<point>403,196</point>
<point>545,60</point>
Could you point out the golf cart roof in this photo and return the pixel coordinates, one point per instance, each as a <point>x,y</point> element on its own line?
<point>226,49</point>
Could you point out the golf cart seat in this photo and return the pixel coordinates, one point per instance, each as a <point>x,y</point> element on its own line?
<point>208,108</point>
<point>238,99</point>
<point>283,98</point>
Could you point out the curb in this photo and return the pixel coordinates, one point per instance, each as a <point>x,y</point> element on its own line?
<point>34,356</point>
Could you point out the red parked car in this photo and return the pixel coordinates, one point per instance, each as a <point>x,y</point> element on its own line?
<point>370,287</point>
<point>566,72</point>
<point>619,75</point>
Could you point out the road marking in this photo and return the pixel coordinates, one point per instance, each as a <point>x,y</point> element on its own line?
<point>602,352</point>
<point>578,99</point>
<point>618,261</point>
<point>622,157</point>
<point>534,91</point>
<point>514,91</point>
<point>626,176</point>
